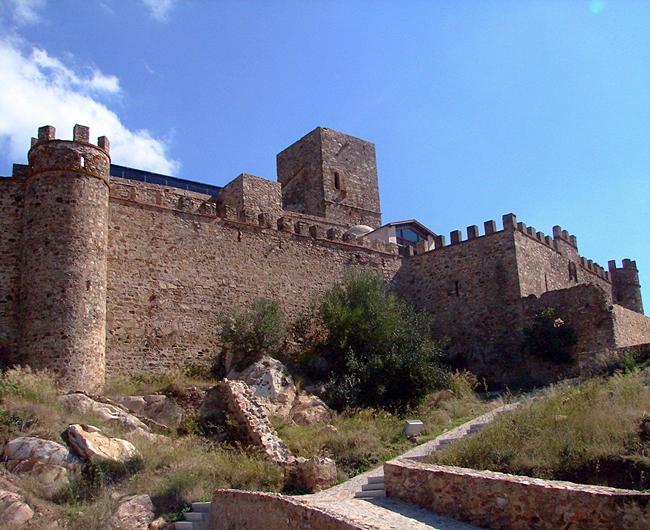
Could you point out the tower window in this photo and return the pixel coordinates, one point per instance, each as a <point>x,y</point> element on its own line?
<point>337,180</point>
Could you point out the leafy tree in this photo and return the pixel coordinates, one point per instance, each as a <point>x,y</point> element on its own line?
<point>380,350</point>
<point>550,338</point>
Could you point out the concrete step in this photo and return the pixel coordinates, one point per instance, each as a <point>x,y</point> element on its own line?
<point>203,507</point>
<point>195,517</point>
<point>372,494</point>
<point>373,487</point>
<point>376,480</point>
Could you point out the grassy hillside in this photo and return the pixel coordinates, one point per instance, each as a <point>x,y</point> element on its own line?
<point>587,433</point>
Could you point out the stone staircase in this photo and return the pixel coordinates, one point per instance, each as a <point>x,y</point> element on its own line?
<point>372,489</point>
<point>197,519</point>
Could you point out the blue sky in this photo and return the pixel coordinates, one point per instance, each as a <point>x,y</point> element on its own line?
<point>477,108</point>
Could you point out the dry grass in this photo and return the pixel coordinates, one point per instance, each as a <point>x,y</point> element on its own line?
<point>365,438</point>
<point>561,433</point>
<point>174,473</point>
<point>149,383</point>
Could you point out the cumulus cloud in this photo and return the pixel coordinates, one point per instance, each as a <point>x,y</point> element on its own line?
<point>159,9</point>
<point>39,89</point>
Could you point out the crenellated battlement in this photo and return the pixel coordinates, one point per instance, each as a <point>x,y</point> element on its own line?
<point>197,204</point>
<point>49,154</point>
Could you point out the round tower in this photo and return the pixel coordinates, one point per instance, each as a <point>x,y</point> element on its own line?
<point>63,286</point>
<point>626,290</point>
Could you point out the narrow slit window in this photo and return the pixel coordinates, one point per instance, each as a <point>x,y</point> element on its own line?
<point>457,288</point>
<point>337,180</point>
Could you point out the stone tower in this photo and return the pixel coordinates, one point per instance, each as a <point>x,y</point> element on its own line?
<point>626,290</point>
<point>330,174</point>
<point>63,277</point>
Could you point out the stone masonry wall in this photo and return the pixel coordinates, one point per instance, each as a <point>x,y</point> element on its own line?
<point>547,265</point>
<point>237,510</point>
<point>174,267</point>
<point>471,288</point>
<point>11,199</point>
<point>252,193</point>
<point>630,328</point>
<point>497,500</point>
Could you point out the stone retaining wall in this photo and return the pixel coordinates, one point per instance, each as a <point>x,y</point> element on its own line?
<point>250,510</point>
<point>497,500</point>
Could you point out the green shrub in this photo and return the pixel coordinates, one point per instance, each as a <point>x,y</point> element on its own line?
<point>550,338</point>
<point>256,331</point>
<point>380,350</point>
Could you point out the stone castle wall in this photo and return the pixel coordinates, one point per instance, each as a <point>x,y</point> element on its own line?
<point>11,198</point>
<point>471,289</point>
<point>174,266</point>
<point>630,328</point>
<point>148,270</point>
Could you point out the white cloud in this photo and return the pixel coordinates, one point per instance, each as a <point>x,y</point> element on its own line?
<point>38,89</point>
<point>22,11</point>
<point>159,9</point>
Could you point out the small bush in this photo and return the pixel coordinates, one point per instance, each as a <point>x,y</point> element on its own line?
<point>550,338</point>
<point>259,330</point>
<point>380,350</point>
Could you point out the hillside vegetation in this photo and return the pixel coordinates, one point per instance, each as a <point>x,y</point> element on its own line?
<point>596,432</point>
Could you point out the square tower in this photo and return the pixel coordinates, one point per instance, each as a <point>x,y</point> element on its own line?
<point>333,175</point>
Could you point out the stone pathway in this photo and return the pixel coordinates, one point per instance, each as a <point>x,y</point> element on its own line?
<point>381,513</point>
<point>385,513</point>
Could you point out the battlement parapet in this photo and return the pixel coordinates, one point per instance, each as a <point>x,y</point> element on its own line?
<point>563,235</point>
<point>49,154</point>
<point>154,195</point>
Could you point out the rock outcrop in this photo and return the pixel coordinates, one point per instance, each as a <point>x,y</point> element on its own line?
<point>275,390</point>
<point>83,404</point>
<point>14,510</point>
<point>308,409</point>
<point>50,464</point>
<point>313,474</point>
<point>134,512</point>
<point>271,384</point>
<point>157,407</point>
<point>91,445</point>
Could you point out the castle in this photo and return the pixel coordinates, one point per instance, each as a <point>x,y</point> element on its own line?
<point>107,269</point>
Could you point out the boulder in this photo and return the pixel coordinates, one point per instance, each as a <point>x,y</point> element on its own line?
<point>134,512</point>
<point>157,407</point>
<point>50,464</point>
<point>83,404</point>
<point>312,475</point>
<point>22,454</point>
<point>308,410</point>
<point>90,444</point>
<point>14,510</point>
<point>271,384</point>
